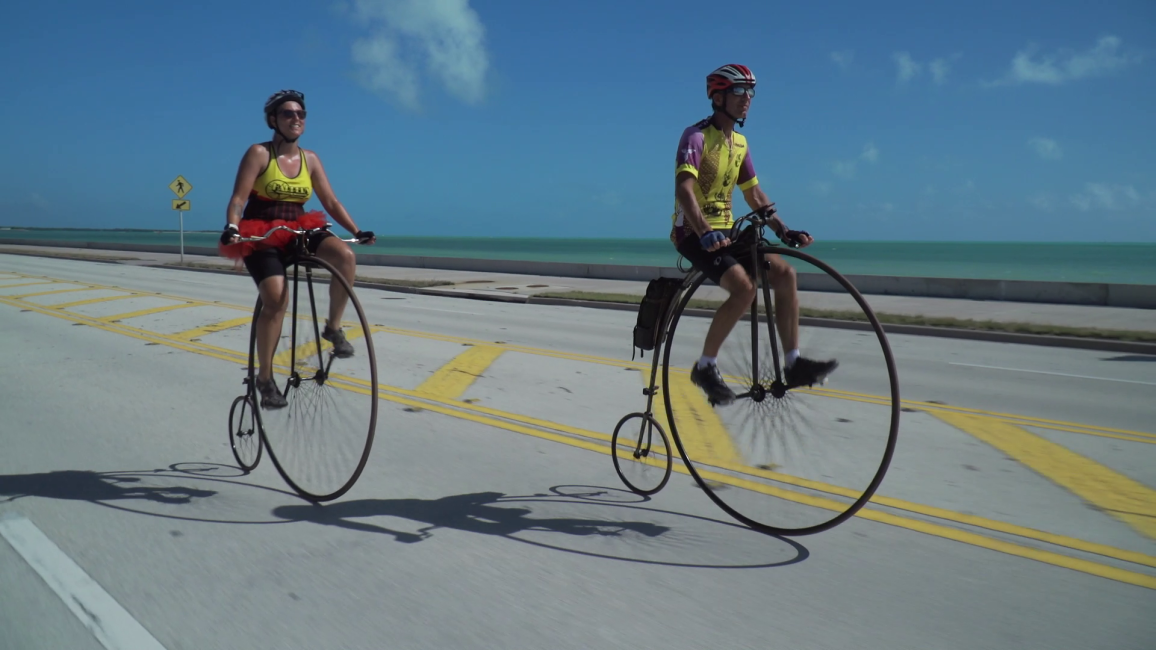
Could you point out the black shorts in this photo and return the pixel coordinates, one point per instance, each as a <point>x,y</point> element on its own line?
<point>272,261</point>
<point>715,265</point>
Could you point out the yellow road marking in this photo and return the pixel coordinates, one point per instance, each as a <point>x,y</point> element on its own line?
<point>453,379</point>
<point>1123,498</point>
<point>308,349</point>
<point>1085,566</point>
<point>922,406</point>
<point>49,293</point>
<point>143,312</point>
<point>700,429</point>
<point>213,328</point>
<point>93,301</point>
<point>860,397</point>
<point>494,415</point>
<point>23,284</point>
<point>456,410</point>
<point>1007,417</point>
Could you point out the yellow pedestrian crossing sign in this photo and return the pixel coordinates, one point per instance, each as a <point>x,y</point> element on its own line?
<point>180,187</point>
<point>181,204</point>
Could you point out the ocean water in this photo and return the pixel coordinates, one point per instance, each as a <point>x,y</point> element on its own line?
<point>1057,262</point>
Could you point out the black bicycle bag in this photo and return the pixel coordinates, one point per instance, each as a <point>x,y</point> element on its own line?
<point>648,328</point>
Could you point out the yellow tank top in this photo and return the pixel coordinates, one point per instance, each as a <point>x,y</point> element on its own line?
<point>274,185</point>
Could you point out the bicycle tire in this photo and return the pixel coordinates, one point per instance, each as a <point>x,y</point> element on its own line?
<point>244,434</point>
<point>767,499</point>
<point>643,466</point>
<point>296,468</point>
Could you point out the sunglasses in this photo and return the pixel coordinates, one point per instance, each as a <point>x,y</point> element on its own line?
<point>742,90</point>
<point>287,113</point>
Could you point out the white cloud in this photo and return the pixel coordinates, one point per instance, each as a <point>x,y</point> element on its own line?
<point>415,39</point>
<point>939,69</point>
<point>822,188</point>
<point>1046,148</point>
<point>1043,202</point>
<point>843,58</point>
<point>844,169</point>
<point>1065,65</point>
<point>908,68</point>
<point>1103,196</point>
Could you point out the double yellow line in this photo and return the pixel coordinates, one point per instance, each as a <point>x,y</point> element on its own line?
<point>441,391</point>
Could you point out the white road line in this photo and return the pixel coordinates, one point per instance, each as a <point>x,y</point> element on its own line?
<point>112,626</point>
<point>1056,374</point>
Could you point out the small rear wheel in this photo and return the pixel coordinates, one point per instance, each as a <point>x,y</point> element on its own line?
<point>244,437</point>
<point>641,453</point>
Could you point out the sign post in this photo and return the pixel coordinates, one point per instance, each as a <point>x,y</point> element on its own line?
<point>181,187</point>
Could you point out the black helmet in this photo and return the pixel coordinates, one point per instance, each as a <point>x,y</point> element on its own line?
<point>274,102</point>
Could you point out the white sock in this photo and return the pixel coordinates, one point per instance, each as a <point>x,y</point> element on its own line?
<point>705,361</point>
<point>791,356</point>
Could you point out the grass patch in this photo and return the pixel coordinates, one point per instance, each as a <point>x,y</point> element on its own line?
<point>204,265</point>
<point>405,283</point>
<point>902,319</point>
<point>66,256</point>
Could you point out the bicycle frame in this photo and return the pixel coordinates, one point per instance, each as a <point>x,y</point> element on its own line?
<point>300,255</point>
<point>762,282</point>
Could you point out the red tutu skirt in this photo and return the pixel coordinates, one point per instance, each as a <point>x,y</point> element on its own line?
<point>279,239</point>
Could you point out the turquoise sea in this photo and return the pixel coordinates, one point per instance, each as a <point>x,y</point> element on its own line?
<point>1059,262</point>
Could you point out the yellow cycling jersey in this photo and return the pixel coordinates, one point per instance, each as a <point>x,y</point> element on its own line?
<point>275,195</point>
<point>703,151</point>
<point>274,185</point>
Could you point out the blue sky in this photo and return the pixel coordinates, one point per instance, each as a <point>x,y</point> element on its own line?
<point>1023,121</point>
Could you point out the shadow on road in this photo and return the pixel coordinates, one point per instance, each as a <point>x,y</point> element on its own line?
<point>501,515</point>
<point>475,513</point>
<point>82,485</point>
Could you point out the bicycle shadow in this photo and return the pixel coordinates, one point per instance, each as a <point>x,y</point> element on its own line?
<point>500,515</point>
<point>474,513</point>
<point>86,485</point>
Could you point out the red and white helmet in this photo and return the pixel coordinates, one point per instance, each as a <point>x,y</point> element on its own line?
<point>727,76</point>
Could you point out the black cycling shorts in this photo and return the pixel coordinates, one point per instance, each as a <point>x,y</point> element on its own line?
<point>715,265</point>
<point>268,262</point>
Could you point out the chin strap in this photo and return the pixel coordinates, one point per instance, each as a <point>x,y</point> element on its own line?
<point>728,114</point>
<point>278,130</point>
<point>734,119</point>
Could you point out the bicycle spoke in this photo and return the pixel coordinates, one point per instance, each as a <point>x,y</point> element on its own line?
<point>796,460</point>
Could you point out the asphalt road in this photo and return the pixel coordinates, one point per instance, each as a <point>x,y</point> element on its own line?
<point>1018,510</point>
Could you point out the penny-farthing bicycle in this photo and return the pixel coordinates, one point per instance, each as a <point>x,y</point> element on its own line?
<point>321,440</point>
<point>783,459</point>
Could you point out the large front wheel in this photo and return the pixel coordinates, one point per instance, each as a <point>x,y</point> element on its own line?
<point>320,441</point>
<point>786,459</point>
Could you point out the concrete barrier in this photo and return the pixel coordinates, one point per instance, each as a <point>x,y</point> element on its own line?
<point>1071,293</point>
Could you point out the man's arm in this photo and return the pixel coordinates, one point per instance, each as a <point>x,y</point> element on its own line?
<point>691,211</point>
<point>758,200</point>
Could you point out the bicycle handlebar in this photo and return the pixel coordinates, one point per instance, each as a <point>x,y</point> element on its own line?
<point>296,232</point>
<point>758,219</point>
<point>755,218</point>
